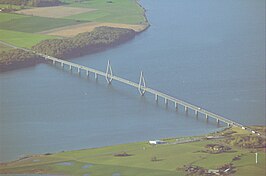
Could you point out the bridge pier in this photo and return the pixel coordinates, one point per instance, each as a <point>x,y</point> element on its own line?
<point>87,72</point>
<point>156,97</point>
<point>70,67</point>
<point>206,116</point>
<point>78,70</point>
<point>186,109</point>
<point>218,121</point>
<point>196,113</point>
<point>53,62</point>
<point>176,105</point>
<point>166,101</point>
<point>62,64</point>
<point>96,76</point>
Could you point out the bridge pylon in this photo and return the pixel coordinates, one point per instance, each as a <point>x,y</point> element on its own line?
<point>142,84</point>
<point>109,73</point>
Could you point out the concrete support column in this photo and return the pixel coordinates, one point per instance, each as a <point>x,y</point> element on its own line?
<point>166,101</point>
<point>218,121</point>
<point>156,97</point>
<point>87,73</point>
<point>176,105</point>
<point>53,61</point>
<point>196,113</point>
<point>186,109</point>
<point>70,67</point>
<point>62,64</point>
<point>96,76</point>
<point>78,70</point>
<point>206,115</point>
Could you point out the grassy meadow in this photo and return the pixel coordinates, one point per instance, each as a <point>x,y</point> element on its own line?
<point>116,11</point>
<point>21,39</point>
<point>34,24</point>
<point>9,17</point>
<point>170,160</point>
<point>11,26</point>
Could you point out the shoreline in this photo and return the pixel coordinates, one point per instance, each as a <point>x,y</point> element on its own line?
<point>25,156</point>
<point>194,148</point>
<point>34,61</point>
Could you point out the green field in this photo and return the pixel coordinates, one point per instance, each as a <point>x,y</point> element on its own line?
<point>119,11</point>
<point>32,24</point>
<point>19,30</point>
<point>5,17</point>
<point>170,159</point>
<point>21,39</point>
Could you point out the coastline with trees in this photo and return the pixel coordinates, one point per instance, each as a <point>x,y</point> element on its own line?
<point>100,38</point>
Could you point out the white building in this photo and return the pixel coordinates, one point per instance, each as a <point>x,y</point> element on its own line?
<point>156,142</point>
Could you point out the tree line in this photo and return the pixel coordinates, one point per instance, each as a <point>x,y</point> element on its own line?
<point>85,43</point>
<point>17,58</point>
<point>247,141</point>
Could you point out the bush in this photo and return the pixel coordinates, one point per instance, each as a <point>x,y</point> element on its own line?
<point>154,158</point>
<point>124,154</point>
<point>247,141</point>
<point>217,148</point>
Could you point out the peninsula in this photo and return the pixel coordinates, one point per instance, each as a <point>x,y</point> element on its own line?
<point>65,29</point>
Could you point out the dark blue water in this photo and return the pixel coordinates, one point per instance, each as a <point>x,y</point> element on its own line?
<point>210,53</point>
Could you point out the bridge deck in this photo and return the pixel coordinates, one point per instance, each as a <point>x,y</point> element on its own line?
<point>150,90</point>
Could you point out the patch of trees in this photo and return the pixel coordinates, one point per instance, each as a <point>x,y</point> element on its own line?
<point>82,44</point>
<point>155,158</point>
<point>260,129</point>
<point>124,154</point>
<point>193,170</point>
<point>34,3</point>
<point>250,142</point>
<point>8,9</point>
<point>216,148</point>
<point>85,43</point>
<point>17,58</point>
